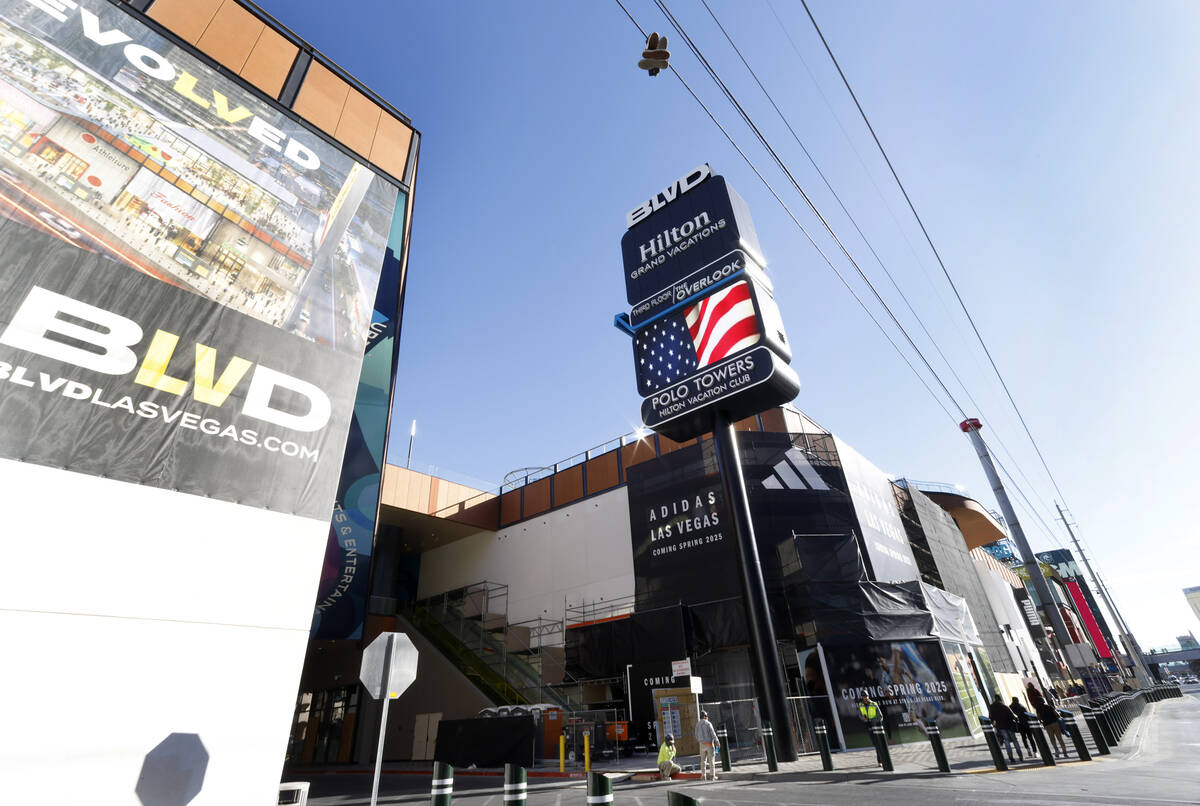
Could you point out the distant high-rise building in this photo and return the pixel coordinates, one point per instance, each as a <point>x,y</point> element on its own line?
<point>1193,597</point>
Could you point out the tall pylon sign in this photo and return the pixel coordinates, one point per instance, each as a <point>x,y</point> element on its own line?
<point>709,349</point>
<point>707,334</point>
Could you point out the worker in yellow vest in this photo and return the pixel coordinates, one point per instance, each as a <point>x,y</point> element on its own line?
<point>868,710</point>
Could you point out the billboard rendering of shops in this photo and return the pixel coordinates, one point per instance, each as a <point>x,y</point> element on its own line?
<point>190,278</point>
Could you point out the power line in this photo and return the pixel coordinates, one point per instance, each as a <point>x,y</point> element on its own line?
<point>787,123</point>
<point>762,139</point>
<point>812,206</point>
<point>799,225</point>
<point>936,254</point>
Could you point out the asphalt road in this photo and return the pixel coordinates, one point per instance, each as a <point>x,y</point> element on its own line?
<point>1156,764</point>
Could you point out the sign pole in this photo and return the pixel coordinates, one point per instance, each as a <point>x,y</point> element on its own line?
<point>764,657</point>
<point>387,669</point>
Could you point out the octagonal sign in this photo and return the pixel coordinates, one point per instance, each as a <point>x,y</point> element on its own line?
<point>389,665</point>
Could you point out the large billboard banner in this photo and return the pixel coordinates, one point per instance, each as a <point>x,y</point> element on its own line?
<point>188,283</point>
<point>882,531</point>
<point>909,680</point>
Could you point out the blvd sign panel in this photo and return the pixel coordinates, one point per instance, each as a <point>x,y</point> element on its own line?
<point>707,335</point>
<point>683,234</point>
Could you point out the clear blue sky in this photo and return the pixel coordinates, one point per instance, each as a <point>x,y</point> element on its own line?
<point>1050,148</point>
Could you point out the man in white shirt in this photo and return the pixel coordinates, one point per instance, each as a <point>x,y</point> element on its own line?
<point>706,735</point>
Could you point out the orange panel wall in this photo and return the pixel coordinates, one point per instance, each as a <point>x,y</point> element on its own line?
<point>568,485</point>
<point>537,497</point>
<point>603,472</point>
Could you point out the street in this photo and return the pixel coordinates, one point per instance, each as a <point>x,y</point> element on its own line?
<point>1155,764</point>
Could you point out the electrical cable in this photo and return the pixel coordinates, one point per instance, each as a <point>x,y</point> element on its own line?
<point>936,254</point>
<point>745,116</point>
<point>787,123</point>
<point>812,206</point>
<point>745,157</point>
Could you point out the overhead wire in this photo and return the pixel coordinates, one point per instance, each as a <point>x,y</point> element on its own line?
<point>871,247</point>
<point>770,188</point>
<point>762,139</point>
<point>936,254</point>
<point>808,200</point>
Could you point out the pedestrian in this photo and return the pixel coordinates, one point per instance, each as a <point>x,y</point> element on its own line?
<point>1034,696</point>
<point>868,710</point>
<point>871,715</point>
<point>1005,722</point>
<point>666,759</point>
<point>1023,724</point>
<point>1053,726</point>
<point>706,735</point>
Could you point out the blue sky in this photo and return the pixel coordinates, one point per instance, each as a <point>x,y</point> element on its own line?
<point>1050,149</point>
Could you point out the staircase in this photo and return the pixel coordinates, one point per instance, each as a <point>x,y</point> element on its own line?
<point>512,664</point>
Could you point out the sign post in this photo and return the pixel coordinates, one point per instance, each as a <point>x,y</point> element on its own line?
<point>709,349</point>
<point>389,666</point>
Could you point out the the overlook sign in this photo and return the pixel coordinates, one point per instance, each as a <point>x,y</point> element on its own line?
<point>706,330</point>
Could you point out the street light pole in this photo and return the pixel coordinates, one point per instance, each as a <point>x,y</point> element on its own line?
<point>411,436</point>
<point>1134,651</point>
<point>971,428</point>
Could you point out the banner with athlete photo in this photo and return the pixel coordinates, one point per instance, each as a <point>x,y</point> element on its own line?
<point>908,680</point>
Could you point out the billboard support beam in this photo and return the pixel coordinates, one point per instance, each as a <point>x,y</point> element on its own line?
<point>764,655</point>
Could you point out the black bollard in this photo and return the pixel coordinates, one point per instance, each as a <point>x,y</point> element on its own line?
<point>822,738</point>
<point>1101,712</point>
<point>989,736</point>
<point>599,788</point>
<point>441,788</point>
<point>1089,716</point>
<point>1069,725</point>
<point>881,747</point>
<point>768,739</point>
<point>1043,746</point>
<point>679,799</point>
<point>1114,713</point>
<point>935,739</point>
<point>515,790</point>
<point>723,738</point>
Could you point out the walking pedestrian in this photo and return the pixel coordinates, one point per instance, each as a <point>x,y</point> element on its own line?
<point>1023,728</point>
<point>1034,696</point>
<point>666,759</point>
<point>706,735</point>
<point>1053,726</point>
<point>1005,722</point>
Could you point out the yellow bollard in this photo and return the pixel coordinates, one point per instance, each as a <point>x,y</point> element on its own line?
<point>587,751</point>
<point>562,753</point>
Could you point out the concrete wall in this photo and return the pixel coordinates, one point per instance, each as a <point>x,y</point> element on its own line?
<point>580,553</point>
<point>151,636</point>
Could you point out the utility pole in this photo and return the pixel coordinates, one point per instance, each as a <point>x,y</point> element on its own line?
<point>1135,652</point>
<point>1050,611</point>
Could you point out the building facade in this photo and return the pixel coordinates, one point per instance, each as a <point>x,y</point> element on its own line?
<point>609,585</point>
<point>204,228</point>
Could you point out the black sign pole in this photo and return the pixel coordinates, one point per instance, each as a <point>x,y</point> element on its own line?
<point>764,657</point>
